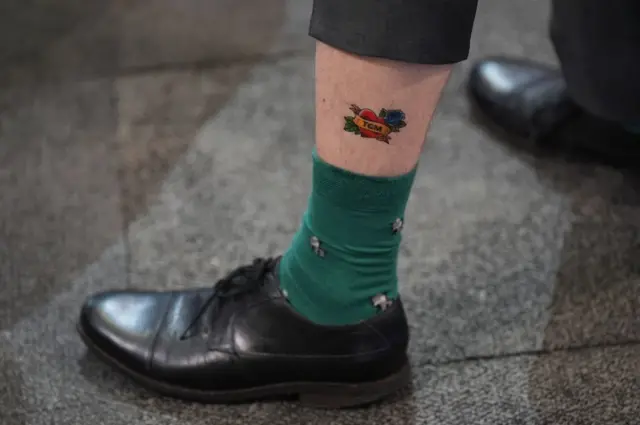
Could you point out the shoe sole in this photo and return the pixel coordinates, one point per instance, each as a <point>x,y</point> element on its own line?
<point>325,395</point>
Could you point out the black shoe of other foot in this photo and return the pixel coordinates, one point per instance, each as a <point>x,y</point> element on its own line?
<point>242,341</point>
<point>530,100</point>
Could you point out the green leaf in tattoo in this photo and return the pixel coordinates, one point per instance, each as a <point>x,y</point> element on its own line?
<point>351,126</point>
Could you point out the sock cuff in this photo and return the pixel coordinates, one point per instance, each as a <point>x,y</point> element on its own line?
<point>360,192</point>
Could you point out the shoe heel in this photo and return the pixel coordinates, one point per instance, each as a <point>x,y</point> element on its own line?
<point>339,396</point>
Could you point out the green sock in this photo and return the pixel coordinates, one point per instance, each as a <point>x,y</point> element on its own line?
<point>346,250</point>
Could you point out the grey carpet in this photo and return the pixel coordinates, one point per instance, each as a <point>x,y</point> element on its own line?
<point>158,144</point>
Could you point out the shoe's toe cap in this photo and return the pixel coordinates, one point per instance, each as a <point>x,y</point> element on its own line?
<point>511,91</point>
<point>493,79</point>
<point>123,325</point>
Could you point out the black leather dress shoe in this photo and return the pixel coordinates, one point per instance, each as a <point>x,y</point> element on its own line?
<point>242,341</point>
<point>530,100</point>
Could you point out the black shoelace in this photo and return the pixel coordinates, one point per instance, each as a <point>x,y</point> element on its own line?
<point>240,281</point>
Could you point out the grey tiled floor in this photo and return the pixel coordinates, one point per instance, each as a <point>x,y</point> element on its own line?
<point>160,144</point>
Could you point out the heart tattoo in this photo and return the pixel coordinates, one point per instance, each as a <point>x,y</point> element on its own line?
<point>370,125</point>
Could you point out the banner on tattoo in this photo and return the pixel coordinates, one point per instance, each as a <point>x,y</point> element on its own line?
<point>379,129</point>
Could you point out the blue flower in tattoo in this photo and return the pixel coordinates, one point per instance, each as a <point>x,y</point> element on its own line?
<point>394,117</point>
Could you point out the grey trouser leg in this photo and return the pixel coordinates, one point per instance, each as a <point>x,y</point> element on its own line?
<point>416,31</point>
<point>598,43</point>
